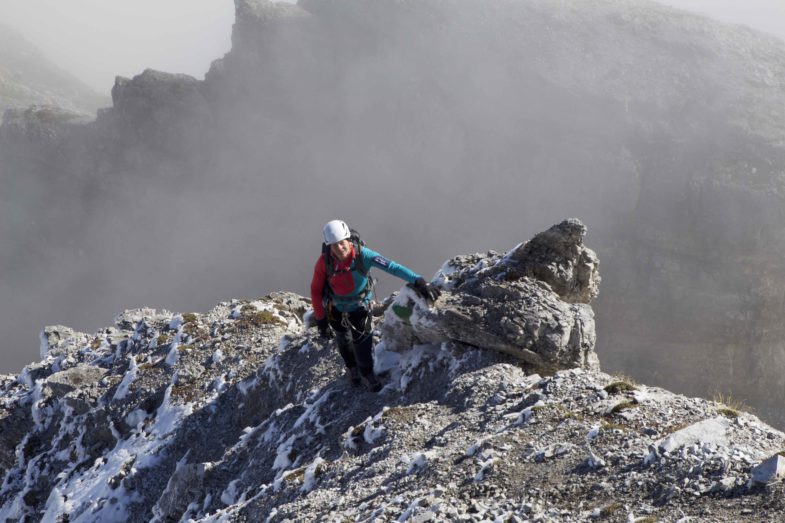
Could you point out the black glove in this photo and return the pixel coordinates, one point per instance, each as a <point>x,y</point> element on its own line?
<point>426,291</point>
<point>324,328</point>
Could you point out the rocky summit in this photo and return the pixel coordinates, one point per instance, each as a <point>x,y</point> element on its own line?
<point>493,409</point>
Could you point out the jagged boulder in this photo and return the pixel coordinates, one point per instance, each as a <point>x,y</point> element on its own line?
<point>556,257</point>
<point>74,378</point>
<point>531,303</point>
<point>185,484</point>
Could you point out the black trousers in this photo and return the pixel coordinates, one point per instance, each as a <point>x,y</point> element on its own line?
<point>355,342</point>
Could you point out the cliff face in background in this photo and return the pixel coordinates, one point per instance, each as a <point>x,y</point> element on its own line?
<point>28,78</point>
<point>244,414</point>
<point>663,130</point>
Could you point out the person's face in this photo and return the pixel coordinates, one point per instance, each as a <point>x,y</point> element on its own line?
<point>342,249</point>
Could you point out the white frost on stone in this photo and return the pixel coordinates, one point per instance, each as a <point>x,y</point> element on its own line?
<point>135,417</point>
<point>229,495</point>
<point>37,412</point>
<point>372,433</point>
<point>246,385</point>
<point>523,416</point>
<point>442,276</point>
<point>312,413</point>
<point>282,460</point>
<point>219,384</point>
<point>217,356</point>
<point>173,357</point>
<point>383,359</point>
<point>128,379</point>
<point>169,416</point>
<point>416,461</point>
<point>176,322</point>
<point>309,481</point>
<point>349,439</point>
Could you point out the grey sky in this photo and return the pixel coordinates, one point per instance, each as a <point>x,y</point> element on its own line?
<point>99,39</point>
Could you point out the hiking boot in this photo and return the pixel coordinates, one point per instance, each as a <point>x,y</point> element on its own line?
<point>354,376</point>
<point>372,382</point>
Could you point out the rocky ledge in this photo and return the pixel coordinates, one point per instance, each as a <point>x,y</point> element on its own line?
<point>494,409</point>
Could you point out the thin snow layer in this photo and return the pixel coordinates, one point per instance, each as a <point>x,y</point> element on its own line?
<point>247,384</point>
<point>309,481</point>
<point>37,412</point>
<point>176,323</point>
<point>420,360</point>
<point>174,354</point>
<point>384,360</point>
<point>74,459</point>
<point>442,276</point>
<point>219,385</point>
<point>416,461</point>
<point>135,417</point>
<point>487,460</point>
<point>88,496</point>
<point>311,413</point>
<point>229,495</point>
<point>169,415</point>
<point>128,379</point>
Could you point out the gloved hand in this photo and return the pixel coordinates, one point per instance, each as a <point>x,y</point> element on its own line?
<point>427,291</point>
<point>324,328</point>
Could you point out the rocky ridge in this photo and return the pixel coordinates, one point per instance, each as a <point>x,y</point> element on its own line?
<point>244,414</point>
<point>663,129</point>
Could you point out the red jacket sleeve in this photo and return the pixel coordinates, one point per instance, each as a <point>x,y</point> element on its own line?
<point>317,287</point>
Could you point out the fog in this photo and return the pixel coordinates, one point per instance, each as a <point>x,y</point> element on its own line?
<point>431,134</point>
<point>97,40</point>
<point>761,15</point>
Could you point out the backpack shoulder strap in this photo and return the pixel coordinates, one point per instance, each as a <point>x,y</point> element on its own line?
<point>328,265</point>
<point>359,262</point>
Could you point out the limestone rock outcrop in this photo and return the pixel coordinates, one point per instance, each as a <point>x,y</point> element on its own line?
<point>530,303</point>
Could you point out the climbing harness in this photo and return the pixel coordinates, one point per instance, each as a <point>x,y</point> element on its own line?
<point>367,329</point>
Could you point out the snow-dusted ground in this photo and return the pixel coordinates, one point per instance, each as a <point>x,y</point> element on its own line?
<point>254,420</point>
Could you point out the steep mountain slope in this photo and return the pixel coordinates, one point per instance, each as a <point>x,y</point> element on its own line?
<point>242,414</point>
<point>28,78</point>
<point>664,130</point>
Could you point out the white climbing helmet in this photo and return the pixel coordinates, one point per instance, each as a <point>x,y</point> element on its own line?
<point>335,231</point>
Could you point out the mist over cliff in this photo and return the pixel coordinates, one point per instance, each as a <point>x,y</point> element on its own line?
<point>433,128</point>
<point>28,78</point>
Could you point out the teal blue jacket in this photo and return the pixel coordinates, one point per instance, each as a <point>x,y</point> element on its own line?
<point>348,284</point>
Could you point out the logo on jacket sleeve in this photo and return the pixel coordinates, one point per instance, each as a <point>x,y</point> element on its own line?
<point>384,262</point>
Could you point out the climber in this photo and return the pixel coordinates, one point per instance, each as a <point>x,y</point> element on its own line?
<point>341,293</point>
